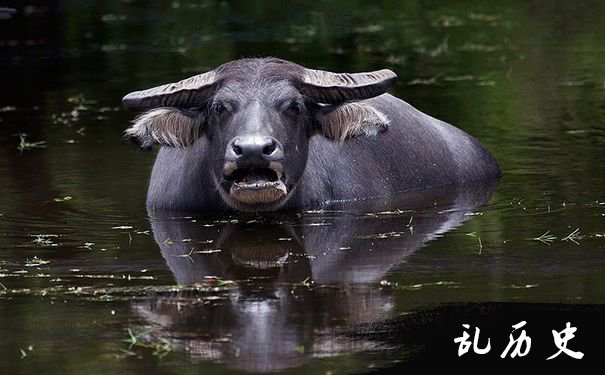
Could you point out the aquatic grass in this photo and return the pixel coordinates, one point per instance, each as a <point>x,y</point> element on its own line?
<point>127,353</point>
<point>132,339</point>
<point>188,255</point>
<point>24,352</point>
<point>161,347</point>
<point>306,282</point>
<point>44,240</point>
<point>385,235</point>
<point>87,245</point>
<point>573,236</point>
<point>476,235</point>
<point>218,281</point>
<point>35,261</point>
<point>25,145</point>
<point>119,293</point>
<point>545,238</point>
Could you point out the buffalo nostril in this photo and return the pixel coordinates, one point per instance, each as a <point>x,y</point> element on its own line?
<point>237,150</point>
<point>268,150</point>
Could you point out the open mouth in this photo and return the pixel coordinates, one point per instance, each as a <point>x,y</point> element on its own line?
<point>256,185</point>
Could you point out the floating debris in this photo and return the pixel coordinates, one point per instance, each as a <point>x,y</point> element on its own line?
<point>306,282</point>
<point>526,286</point>
<point>122,227</point>
<point>161,347</point>
<point>211,251</point>
<point>449,284</point>
<point>385,213</point>
<point>383,235</point>
<point>218,280</point>
<point>573,236</point>
<point>87,245</point>
<point>474,234</point>
<point>63,199</point>
<point>35,261</point>
<point>44,239</point>
<point>25,145</point>
<point>545,238</point>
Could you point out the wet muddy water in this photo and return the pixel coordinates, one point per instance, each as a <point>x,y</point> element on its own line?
<point>90,282</point>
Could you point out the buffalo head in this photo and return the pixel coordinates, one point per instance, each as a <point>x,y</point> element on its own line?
<point>258,116</point>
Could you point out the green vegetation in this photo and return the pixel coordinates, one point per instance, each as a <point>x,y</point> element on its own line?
<point>26,145</point>
<point>475,235</point>
<point>545,238</point>
<point>159,347</point>
<point>572,237</point>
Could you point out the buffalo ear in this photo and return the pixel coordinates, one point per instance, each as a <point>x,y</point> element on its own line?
<point>170,127</point>
<point>348,120</point>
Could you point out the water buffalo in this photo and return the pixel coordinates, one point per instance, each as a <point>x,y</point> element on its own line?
<point>266,134</point>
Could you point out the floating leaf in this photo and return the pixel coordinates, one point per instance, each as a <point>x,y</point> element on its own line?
<point>63,199</point>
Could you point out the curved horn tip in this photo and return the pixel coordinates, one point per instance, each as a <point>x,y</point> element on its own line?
<point>328,87</point>
<point>385,75</point>
<point>130,101</point>
<point>127,101</point>
<point>390,76</point>
<point>390,73</point>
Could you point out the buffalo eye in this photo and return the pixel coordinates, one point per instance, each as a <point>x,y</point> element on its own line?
<point>220,108</point>
<point>294,108</point>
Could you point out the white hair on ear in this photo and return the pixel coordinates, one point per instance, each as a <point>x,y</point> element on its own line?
<point>351,120</point>
<point>167,127</point>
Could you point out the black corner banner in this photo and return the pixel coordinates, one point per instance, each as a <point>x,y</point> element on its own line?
<point>493,335</point>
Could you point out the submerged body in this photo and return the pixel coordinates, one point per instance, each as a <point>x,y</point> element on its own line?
<point>393,148</point>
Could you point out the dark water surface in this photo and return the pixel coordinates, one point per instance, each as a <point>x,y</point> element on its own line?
<point>89,283</point>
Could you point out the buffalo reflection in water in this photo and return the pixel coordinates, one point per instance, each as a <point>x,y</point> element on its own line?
<point>270,319</point>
